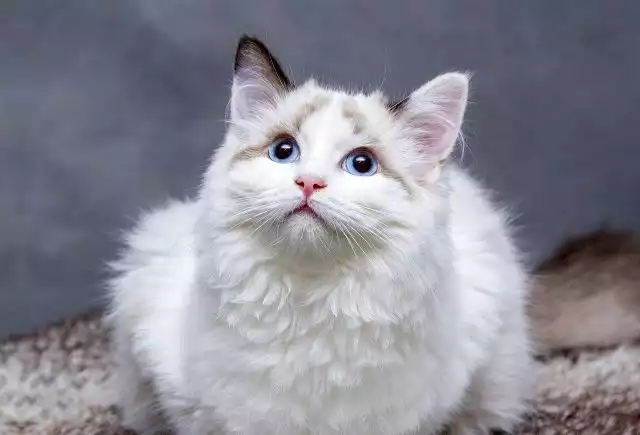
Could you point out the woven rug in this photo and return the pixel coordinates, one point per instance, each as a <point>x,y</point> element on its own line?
<point>58,381</point>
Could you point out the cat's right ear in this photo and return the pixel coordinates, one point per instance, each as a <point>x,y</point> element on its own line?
<point>432,115</point>
<point>258,81</point>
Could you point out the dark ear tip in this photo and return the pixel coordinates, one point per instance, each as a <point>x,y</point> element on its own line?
<point>248,45</point>
<point>253,52</point>
<point>246,40</point>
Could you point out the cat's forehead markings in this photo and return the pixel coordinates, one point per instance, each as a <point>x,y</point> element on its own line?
<point>352,113</point>
<point>309,108</point>
<point>362,126</point>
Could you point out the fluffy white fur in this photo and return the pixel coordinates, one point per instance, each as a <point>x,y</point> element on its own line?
<point>400,311</point>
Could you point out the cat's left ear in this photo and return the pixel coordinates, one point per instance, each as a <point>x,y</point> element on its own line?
<point>258,81</point>
<point>432,115</point>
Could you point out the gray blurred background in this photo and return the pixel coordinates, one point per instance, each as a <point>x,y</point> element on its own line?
<point>109,107</point>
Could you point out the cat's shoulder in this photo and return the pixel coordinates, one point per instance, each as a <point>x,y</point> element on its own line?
<point>158,250</point>
<point>163,230</point>
<point>480,222</point>
<point>469,197</point>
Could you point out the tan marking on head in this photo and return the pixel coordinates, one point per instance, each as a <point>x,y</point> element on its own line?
<point>392,173</point>
<point>308,109</point>
<point>248,154</point>
<point>352,113</point>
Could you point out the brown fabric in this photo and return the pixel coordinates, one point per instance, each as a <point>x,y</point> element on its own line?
<point>58,381</point>
<point>588,293</point>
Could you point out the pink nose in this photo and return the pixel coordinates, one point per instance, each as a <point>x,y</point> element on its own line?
<point>310,184</point>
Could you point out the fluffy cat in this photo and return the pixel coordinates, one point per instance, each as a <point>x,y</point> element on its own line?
<point>335,275</point>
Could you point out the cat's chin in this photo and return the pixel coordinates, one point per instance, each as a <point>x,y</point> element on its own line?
<point>306,220</point>
<point>304,229</point>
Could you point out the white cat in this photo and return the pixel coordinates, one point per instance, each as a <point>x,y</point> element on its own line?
<point>335,275</point>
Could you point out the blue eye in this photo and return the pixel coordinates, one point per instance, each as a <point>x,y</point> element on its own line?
<point>284,150</point>
<point>361,163</point>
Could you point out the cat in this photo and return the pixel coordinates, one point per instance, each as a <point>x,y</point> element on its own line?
<point>337,273</point>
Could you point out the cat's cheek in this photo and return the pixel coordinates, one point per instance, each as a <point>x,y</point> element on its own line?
<point>379,191</point>
<point>260,174</point>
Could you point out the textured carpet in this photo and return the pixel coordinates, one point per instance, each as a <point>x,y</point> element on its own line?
<point>58,381</point>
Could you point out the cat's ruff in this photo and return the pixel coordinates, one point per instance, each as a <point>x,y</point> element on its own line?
<point>401,308</point>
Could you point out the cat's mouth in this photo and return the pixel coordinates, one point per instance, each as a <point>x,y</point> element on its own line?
<point>305,209</point>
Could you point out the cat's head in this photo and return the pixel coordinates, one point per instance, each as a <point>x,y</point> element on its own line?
<point>317,170</point>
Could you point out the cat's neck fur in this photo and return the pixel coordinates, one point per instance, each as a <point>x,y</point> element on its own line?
<point>342,321</point>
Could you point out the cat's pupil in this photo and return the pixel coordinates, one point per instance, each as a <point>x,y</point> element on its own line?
<point>284,150</point>
<point>362,163</point>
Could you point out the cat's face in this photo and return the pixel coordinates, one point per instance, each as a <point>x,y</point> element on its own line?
<point>317,170</point>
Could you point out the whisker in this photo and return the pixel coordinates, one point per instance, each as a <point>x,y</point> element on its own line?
<point>347,239</point>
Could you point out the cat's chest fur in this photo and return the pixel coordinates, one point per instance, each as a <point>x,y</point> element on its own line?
<point>317,348</point>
